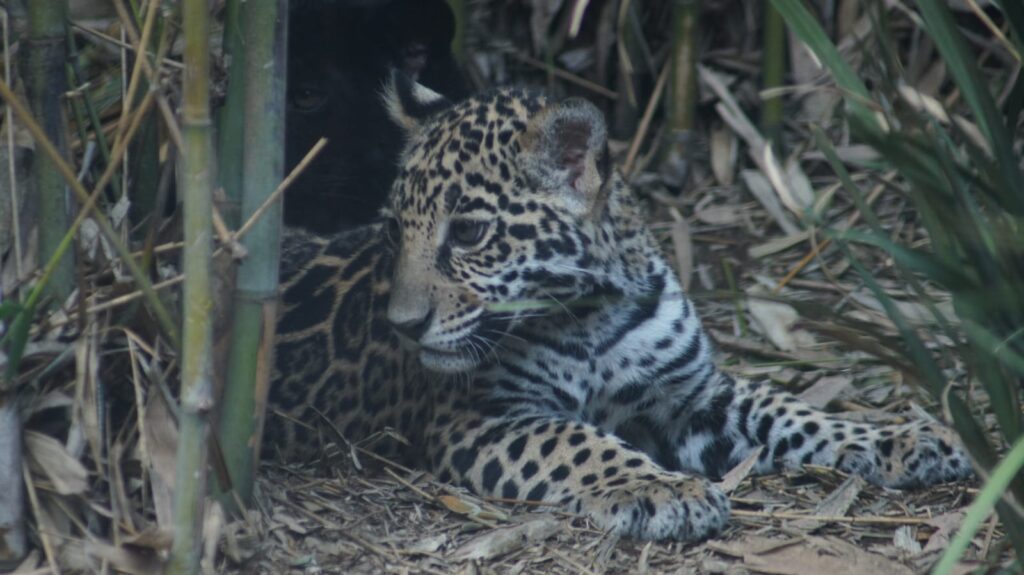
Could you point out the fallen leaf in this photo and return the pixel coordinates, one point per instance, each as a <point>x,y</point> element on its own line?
<point>825,390</point>
<point>737,474</point>
<point>776,321</point>
<point>809,556</point>
<point>503,540</point>
<point>67,474</point>
<point>836,504</point>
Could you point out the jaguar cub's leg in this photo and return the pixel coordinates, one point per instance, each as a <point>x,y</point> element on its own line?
<point>737,416</point>
<point>576,466</point>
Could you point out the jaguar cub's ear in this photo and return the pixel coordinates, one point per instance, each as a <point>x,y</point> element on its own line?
<point>566,149</point>
<point>409,103</point>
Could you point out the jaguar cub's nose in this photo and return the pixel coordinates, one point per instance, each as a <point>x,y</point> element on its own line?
<point>413,328</point>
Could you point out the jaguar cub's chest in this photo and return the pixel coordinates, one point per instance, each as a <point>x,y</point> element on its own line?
<point>603,367</point>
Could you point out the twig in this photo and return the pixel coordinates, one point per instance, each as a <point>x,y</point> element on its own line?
<point>645,121</point>
<point>43,530</point>
<point>567,76</point>
<point>111,40</point>
<point>869,520</point>
<point>295,173</point>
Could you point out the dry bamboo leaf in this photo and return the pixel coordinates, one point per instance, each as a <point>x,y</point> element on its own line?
<point>67,474</point>
<point>683,247</point>
<point>86,418</point>
<point>946,525</point>
<point>724,150</point>
<point>837,504</point>
<point>776,321</point>
<point>777,245</point>
<point>737,474</point>
<point>761,188</point>
<point>904,538</point>
<point>161,444</point>
<point>129,560</point>
<point>501,541</point>
<point>726,215</point>
<point>825,390</point>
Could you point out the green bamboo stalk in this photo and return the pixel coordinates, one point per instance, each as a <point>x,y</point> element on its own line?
<point>13,544</point>
<point>231,118</point>
<point>75,78</point>
<point>460,10</point>
<point>45,82</point>
<point>265,32</point>
<point>196,356</point>
<point>773,70</point>
<point>681,99</point>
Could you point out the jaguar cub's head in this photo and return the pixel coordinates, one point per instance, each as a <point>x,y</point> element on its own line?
<point>498,204</point>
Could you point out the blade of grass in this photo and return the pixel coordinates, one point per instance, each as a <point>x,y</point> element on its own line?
<point>983,504</point>
<point>958,59</point>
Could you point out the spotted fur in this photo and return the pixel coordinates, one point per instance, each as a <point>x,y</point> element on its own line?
<point>516,321</point>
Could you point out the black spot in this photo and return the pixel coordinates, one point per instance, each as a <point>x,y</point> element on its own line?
<point>515,449</point>
<point>463,459</point>
<point>530,469</point>
<point>560,473</point>
<point>510,490</point>
<point>577,438</point>
<point>764,427</point>
<point>492,473</point>
<point>589,479</point>
<point>538,492</point>
<point>608,455</point>
<point>581,456</point>
<point>811,428</point>
<point>886,447</point>
<point>548,446</point>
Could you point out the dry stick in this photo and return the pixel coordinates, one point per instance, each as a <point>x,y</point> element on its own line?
<point>89,204</point>
<point>567,76</point>
<point>16,227</point>
<point>142,62</point>
<point>873,520</point>
<point>44,536</point>
<point>645,121</point>
<point>133,83</point>
<point>119,300</point>
<point>295,173</point>
<point>110,39</point>
<point>854,217</point>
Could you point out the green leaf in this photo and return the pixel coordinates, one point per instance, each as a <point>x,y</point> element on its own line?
<point>931,266</point>
<point>960,62</point>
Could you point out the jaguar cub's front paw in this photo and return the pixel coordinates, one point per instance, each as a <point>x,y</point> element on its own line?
<point>916,454</point>
<point>670,506</point>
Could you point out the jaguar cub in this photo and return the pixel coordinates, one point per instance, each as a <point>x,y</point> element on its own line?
<point>516,321</point>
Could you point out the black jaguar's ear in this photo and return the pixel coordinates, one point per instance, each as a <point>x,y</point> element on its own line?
<point>566,146</point>
<point>409,103</point>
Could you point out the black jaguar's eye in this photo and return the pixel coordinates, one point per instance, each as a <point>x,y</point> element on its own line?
<point>307,97</point>
<point>467,233</point>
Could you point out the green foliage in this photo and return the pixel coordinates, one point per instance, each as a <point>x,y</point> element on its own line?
<point>963,176</point>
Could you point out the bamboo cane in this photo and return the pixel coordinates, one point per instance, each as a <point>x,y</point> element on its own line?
<point>196,389</point>
<point>45,82</point>
<point>249,364</point>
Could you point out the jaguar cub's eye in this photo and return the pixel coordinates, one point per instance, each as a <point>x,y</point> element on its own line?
<point>467,233</point>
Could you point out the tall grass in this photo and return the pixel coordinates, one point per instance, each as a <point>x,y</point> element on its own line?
<point>962,174</point>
